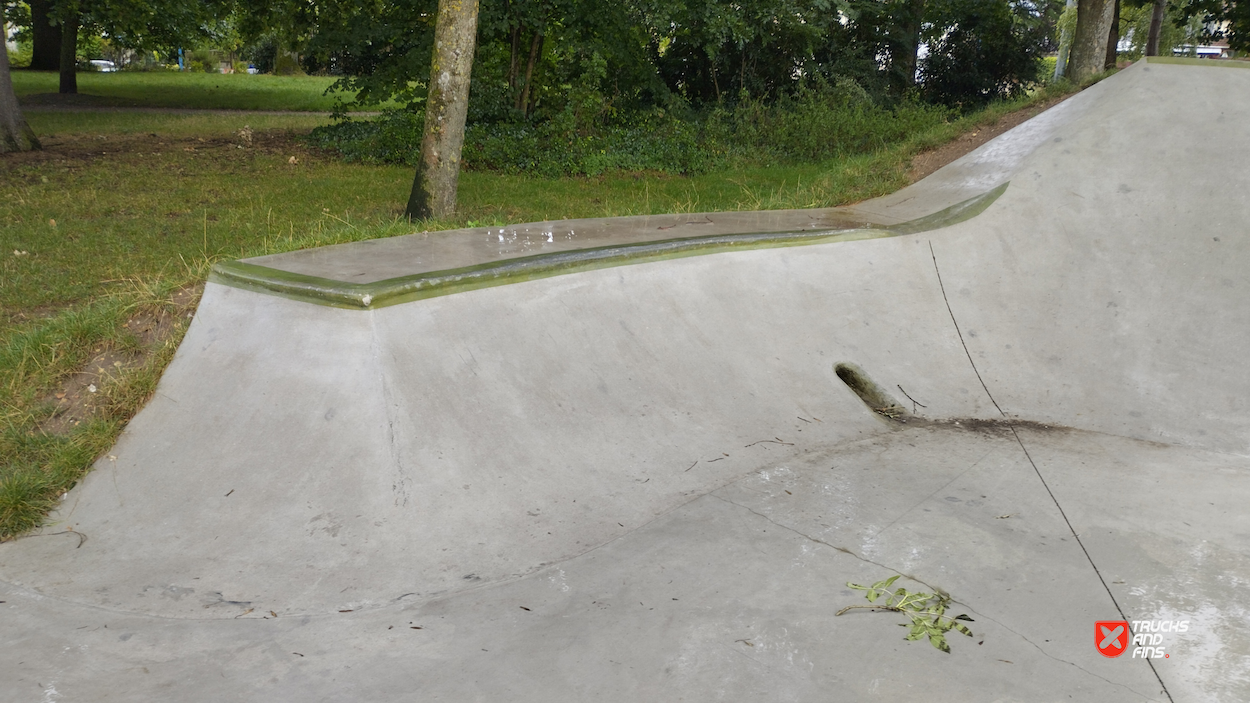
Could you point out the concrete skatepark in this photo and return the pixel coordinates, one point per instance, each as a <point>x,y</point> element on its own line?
<point>615,460</point>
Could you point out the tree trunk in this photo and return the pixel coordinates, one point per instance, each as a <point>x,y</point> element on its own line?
<point>438,172</point>
<point>1065,46</point>
<point>69,55</point>
<point>46,37</point>
<point>1156,27</point>
<point>531,96</point>
<point>1113,38</point>
<point>15,134</point>
<point>536,48</point>
<point>742,71</point>
<point>514,63</point>
<point>1089,47</point>
<point>908,47</point>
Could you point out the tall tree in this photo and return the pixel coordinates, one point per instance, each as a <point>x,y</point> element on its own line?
<point>1089,47</point>
<point>45,37</point>
<point>446,106</point>
<point>1156,26</point>
<point>906,51</point>
<point>15,134</point>
<point>1113,39</point>
<point>142,25</point>
<point>69,50</point>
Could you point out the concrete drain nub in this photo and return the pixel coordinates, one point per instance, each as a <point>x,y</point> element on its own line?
<point>874,396</point>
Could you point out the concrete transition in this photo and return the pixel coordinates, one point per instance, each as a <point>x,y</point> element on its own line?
<point>626,460</point>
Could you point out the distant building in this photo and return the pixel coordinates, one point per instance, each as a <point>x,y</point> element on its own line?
<point>1214,50</point>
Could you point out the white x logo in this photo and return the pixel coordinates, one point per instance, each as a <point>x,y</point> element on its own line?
<point>1111,637</point>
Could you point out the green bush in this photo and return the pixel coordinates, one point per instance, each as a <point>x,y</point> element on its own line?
<point>1046,74</point>
<point>21,57</point>
<point>816,125</point>
<point>979,51</point>
<point>654,142</point>
<point>286,64</point>
<point>825,122</point>
<point>202,61</point>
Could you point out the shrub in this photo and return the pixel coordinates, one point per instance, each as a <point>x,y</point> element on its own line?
<point>827,121</point>
<point>820,123</point>
<point>21,57</point>
<point>287,64</point>
<point>978,52</point>
<point>653,142</point>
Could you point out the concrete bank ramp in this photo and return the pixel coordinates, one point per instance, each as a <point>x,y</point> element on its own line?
<point>627,460</point>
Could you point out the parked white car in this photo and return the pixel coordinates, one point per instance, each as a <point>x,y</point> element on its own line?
<point>103,65</point>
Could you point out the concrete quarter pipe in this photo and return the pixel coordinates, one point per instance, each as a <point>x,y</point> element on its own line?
<point>624,460</point>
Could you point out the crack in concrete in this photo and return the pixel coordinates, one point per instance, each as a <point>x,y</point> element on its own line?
<point>1036,469</point>
<point>922,501</point>
<point>930,586</point>
<point>817,540</point>
<point>1051,656</point>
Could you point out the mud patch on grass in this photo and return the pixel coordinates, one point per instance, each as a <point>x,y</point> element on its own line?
<point>82,149</point>
<point>102,387</point>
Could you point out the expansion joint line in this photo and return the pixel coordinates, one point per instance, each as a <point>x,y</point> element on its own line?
<point>1036,470</point>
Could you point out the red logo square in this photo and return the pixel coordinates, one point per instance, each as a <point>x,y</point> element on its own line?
<point>1111,637</point>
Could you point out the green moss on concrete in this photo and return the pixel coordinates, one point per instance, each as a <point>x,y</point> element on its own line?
<point>1190,61</point>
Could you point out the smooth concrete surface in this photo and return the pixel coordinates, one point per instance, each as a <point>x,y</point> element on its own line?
<point>648,483</point>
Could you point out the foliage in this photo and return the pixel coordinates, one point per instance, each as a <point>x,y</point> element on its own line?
<point>717,49</point>
<point>382,49</point>
<point>145,25</point>
<point>201,61</point>
<point>653,142</point>
<point>1177,30</point>
<point>537,58</point>
<point>826,121</point>
<point>978,51</point>
<point>262,52</point>
<point>927,611</point>
<point>21,57</point>
<point>1219,19</point>
<point>813,126</point>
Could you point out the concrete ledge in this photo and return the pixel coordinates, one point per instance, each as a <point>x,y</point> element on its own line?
<point>419,286</point>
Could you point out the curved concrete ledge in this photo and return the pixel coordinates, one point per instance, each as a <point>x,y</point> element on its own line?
<point>419,286</point>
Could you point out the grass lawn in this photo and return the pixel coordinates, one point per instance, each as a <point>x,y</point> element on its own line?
<point>237,91</point>
<point>107,234</point>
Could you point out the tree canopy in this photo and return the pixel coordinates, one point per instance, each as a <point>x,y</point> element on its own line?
<point>547,54</point>
<point>1222,19</point>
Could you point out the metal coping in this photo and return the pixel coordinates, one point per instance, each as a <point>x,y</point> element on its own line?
<point>404,289</point>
